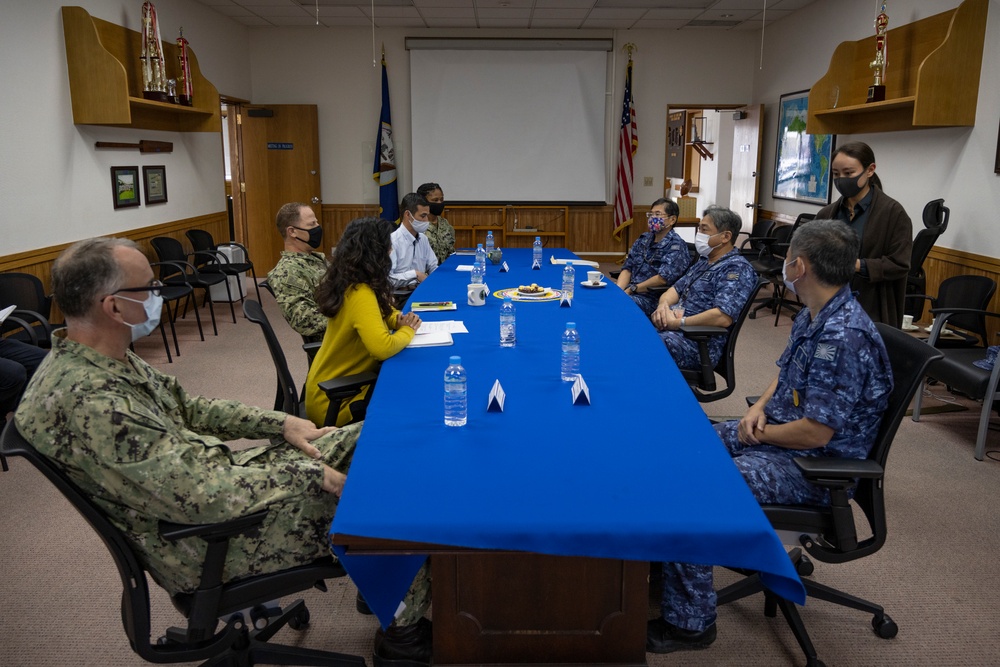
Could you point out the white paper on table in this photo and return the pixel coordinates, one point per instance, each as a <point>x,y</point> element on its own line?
<point>464,267</point>
<point>584,262</point>
<point>431,339</point>
<point>448,326</point>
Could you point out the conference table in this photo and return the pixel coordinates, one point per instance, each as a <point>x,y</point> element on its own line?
<point>541,519</point>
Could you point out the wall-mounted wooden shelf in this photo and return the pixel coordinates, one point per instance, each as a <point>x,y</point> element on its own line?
<point>932,77</point>
<point>471,224</point>
<point>105,80</point>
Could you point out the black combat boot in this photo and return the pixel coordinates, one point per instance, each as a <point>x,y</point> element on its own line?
<point>404,646</point>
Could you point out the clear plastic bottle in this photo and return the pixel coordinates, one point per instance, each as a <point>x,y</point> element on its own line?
<point>569,280</point>
<point>456,393</point>
<point>536,251</point>
<point>489,242</point>
<point>479,266</point>
<point>570,353</point>
<point>508,326</point>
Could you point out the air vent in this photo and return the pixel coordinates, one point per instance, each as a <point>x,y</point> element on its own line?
<point>712,24</point>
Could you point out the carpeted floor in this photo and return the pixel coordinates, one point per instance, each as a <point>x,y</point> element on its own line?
<point>937,575</point>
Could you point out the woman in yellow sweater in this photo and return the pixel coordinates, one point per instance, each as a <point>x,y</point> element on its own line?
<point>364,327</point>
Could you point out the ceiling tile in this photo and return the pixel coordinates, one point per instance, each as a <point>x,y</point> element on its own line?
<point>570,24</point>
<point>559,14</point>
<point>254,21</point>
<point>565,4</point>
<point>442,3</point>
<point>609,23</point>
<point>450,23</point>
<point>268,3</point>
<point>391,13</point>
<point>673,14</point>
<point>448,12</point>
<point>345,21</point>
<point>506,13</point>
<point>503,23</point>
<point>233,10</point>
<point>660,24</point>
<point>291,10</point>
<point>398,22</point>
<point>618,14</point>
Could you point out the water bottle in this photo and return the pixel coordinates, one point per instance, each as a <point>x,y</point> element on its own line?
<point>569,279</point>
<point>456,393</point>
<point>479,266</point>
<point>508,331</point>
<point>570,353</point>
<point>489,243</point>
<point>536,251</point>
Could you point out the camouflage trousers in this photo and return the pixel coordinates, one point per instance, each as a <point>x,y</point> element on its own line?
<point>689,600</point>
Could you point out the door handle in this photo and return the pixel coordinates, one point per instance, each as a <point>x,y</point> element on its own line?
<point>751,205</point>
<point>316,200</point>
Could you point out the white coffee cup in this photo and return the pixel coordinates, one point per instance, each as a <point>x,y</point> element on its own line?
<point>595,277</point>
<point>907,321</point>
<point>477,293</point>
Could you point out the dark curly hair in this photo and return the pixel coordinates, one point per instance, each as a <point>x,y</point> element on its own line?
<point>361,257</point>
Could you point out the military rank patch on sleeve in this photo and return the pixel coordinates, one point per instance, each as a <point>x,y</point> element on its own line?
<point>826,352</point>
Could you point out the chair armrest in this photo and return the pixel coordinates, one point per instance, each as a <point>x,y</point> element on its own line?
<point>212,532</point>
<point>27,319</point>
<point>925,297</point>
<point>246,253</point>
<point>701,332</point>
<point>830,471</point>
<point>181,273</point>
<point>347,386</point>
<point>943,314</point>
<point>657,290</point>
<point>213,256</point>
<point>30,330</point>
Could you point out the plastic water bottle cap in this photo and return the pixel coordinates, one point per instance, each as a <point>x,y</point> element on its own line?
<point>455,360</point>
<point>571,325</point>
<point>507,298</point>
<point>538,238</point>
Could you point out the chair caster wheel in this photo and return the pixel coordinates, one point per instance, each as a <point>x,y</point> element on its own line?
<point>805,566</point>
<point>300,621</point>
<point>884,626</point>
<point>752,316</point>
<point>815,663</point>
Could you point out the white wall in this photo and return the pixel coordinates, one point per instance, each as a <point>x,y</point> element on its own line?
<point>55,187</point>
<point>915,166</point>
<point>333,69</point>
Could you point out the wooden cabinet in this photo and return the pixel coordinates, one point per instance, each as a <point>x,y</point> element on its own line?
<point>932,77</point>
<point>105,80</point>
<point>512,226</point>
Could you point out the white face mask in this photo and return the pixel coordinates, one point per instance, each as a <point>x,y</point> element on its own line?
<point>419,226</point>
<point>701,243</point>
<point>153,305</point>
<point>789,284</point>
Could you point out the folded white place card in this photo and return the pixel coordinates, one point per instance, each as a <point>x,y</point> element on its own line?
<point>536,266</point>
<point>497,397</point>
<point>581,392</point>
<point>565,301</point>
<point>432,339</point>
<point>7,311</point>
<point>576,262</point>
<point>504,268</point>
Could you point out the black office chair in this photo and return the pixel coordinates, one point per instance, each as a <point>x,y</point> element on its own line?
<point>769,267</point>
<point>202,242</point>
<point>171,295</point>
<point>968,329</point>
<point>829,534</point>
<point>178,271</point>
<point>956,370</point>
<point>240,641</point>
<point>702,381</point>
<point>935,218</point>
<point>287,397</point>
<point>309,344</point>
<point>34,308</point>
<point>758,239</point>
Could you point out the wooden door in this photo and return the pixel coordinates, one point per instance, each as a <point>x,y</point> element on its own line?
<point>747,134</point>
<point>279,163</point>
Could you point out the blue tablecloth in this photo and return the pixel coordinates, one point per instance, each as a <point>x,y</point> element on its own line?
<point>638,475</point>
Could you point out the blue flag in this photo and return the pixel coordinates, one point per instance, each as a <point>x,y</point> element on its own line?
<point>384,171</point>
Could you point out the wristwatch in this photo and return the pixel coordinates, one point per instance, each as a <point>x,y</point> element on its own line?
<point>634,288</point>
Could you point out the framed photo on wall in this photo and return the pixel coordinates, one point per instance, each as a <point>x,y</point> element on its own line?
<point>802,161</point>
<point>154,184</point>
<point>125,186</point>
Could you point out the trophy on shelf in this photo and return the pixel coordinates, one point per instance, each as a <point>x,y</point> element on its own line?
<point>186,88</point>
<point>154,79</point>
<point>876,91</point>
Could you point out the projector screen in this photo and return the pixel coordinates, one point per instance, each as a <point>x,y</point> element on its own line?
<point>510,126</point>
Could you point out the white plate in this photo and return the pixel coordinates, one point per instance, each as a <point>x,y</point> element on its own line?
<point>544,292</point>
<point>587,283</point>
<point>944,331</point>
<point>912,327</point>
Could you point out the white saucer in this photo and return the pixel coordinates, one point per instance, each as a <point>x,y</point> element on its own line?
<point>587,283</point>
<point>912,327</point>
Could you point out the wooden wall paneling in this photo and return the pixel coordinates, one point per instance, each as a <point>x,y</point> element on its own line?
<point>944,263</point>
<point>335,217</point>
<point>38,262</point>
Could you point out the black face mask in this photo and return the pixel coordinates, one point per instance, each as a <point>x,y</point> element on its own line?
<point>437,207</point>
<point>848,186</point>
<point>315,235</point>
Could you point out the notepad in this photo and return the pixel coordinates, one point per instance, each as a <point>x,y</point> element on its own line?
<point>430,306</point>
<point>435,339</point>
<point>7,311</point>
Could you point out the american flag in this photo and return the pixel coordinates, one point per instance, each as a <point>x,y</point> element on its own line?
<point>627,145</point>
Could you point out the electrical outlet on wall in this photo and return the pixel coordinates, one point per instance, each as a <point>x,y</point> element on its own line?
<point>647,181</point>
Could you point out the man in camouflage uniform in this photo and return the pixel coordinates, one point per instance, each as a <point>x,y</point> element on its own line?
<point>144,450</point>
<point>827,400</point>
<point>712,292</point>
<point>299,270</point>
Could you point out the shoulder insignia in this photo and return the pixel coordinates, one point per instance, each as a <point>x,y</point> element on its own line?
<point>826,352</point>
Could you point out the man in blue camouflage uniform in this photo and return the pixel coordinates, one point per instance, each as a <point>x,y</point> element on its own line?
<point>657,258</point>
<point>145,450</point>
<point>299,270</point>
<point>712,292</point>
<point>832,388</point>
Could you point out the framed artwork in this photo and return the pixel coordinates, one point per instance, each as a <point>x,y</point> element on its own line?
<point>154,184</point>
<point>802,161</point>
<point>125,186</point>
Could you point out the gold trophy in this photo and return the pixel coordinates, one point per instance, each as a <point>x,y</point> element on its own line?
<point>876,91</point>
<point>184,81</point>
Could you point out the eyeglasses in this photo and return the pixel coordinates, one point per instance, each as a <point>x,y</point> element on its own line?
<point>654,214</point>
<point>153,287</point>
